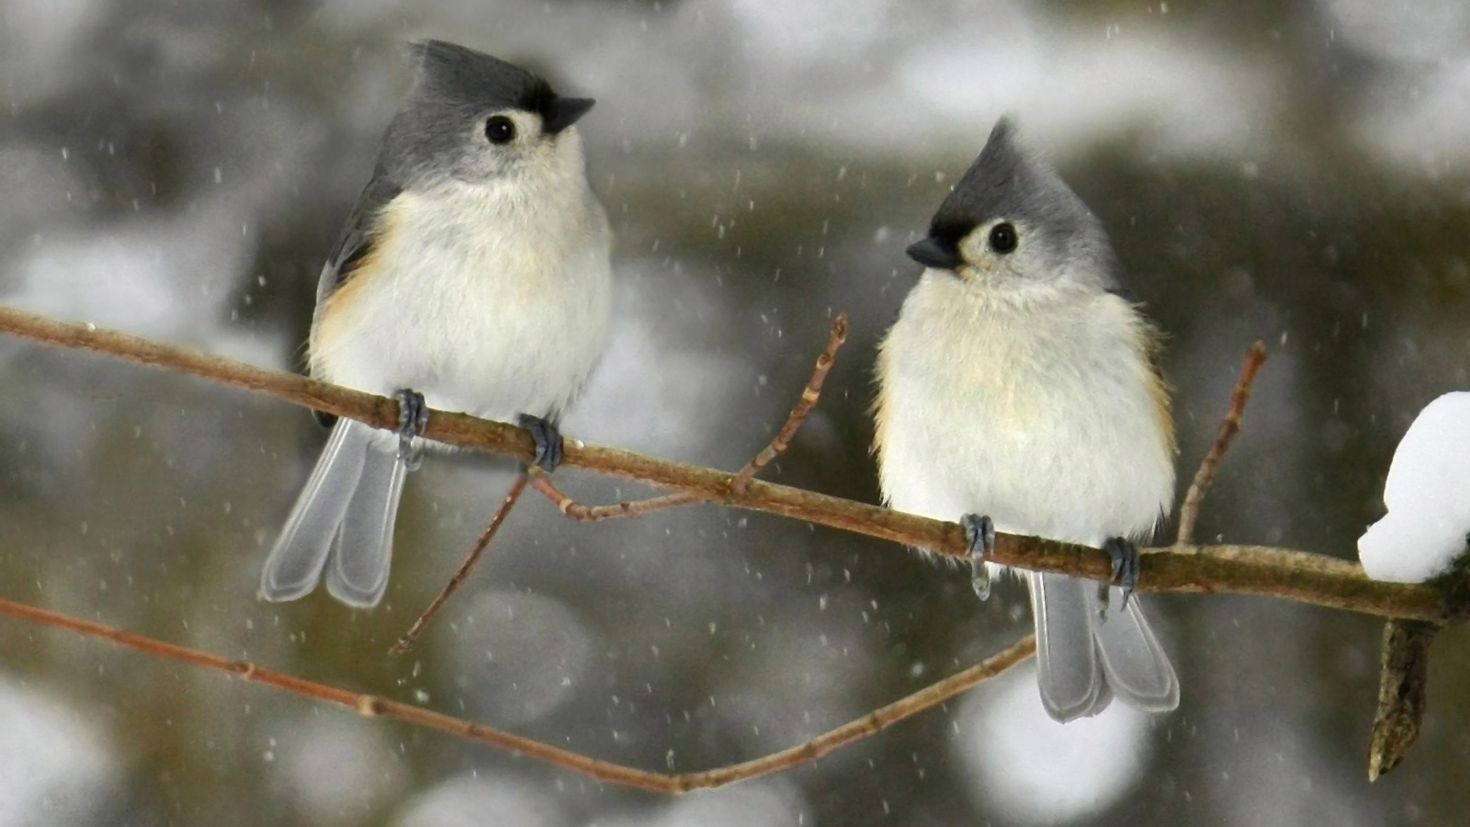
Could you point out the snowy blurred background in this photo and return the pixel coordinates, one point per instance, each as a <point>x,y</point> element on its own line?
<point>1297,172</point>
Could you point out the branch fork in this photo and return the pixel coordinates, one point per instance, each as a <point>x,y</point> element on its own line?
<point>1286,574</point>
<point>539,480</point>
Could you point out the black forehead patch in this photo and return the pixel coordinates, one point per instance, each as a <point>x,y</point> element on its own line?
<point>993,187</point>
<point>1008,183</point>
<point>453,74</point>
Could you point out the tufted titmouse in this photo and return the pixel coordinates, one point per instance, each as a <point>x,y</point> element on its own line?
<point>1018,384</point>
<point>473,270</point>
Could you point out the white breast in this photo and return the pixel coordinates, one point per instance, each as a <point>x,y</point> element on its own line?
<point>1047,417</point>
<point>484,302</point>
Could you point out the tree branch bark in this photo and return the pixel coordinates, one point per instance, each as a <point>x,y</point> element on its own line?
<point>373,706</point>
<point>1303,577</point>
<point>1402,692</point>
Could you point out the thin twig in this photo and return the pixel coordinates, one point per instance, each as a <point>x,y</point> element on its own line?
<point>868,725</point>
<point>1315,579</point>
<point>373,706</point>
<point>810,395</point>
<point>1229,427</point>
<point>411,637</point>
<point>597,513</point>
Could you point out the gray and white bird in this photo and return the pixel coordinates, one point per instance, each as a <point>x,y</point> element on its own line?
<point>1018,389</point>
<point>473,275</point>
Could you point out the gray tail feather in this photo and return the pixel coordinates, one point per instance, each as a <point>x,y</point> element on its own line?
<point>1068,669</point>
<point>357,570</point>
<point>1138,671</point>
<point>295,562</point>
<point>1084,659</point>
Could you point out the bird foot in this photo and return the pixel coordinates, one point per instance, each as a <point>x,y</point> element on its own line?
<point>1125,567</point>
<point>980,534</point>
<point>413,417</point>
<point>549,444</point>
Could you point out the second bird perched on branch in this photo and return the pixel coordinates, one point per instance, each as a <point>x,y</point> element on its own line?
<point>473,275</point>
<point>1017,389</point>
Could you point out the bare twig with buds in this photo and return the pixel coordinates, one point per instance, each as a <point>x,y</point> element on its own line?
<point>411,637</point>
<point>1229,427</point>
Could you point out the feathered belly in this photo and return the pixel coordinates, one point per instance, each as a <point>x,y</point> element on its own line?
<point>492,335</point>
<point>1070,446</point>
<point>1078,481</point>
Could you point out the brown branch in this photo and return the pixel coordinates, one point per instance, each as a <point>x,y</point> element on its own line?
<point>369,705</point>
<point>1404,670</point>
<point>1229,427</point>
<point>1304,577</point>
<point>868,725</point>
<point>409,638</point>
<point>597,513</point>
<point>373,706</point>
<point>810,395</point>
<point>1401,693</point>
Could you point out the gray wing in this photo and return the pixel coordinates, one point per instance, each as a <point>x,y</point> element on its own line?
<point>353,245</point>
<point>356,240</point>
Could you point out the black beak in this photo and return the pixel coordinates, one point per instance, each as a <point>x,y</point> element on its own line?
<point>561,113</point>
<point>933,252</point>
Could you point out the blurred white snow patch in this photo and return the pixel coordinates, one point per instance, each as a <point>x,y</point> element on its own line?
<point>660,382</point>
<point>1416,112</point>
<point>1428,497</point>
<point>169,278</point>
<point>473,801</point>
<point>1193,99</point>
<point>516,657</point>
<point>1007,52</point>
<point>1419,119</point>
<point>768,803</point>
<point>336,769</point>
<point>808,32</point>
<point>55,765</point>
<point>1030,769</point>
<point>1418,31</point>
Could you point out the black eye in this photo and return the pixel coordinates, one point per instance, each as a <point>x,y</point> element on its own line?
<point>1003,238</point>
<point>500,130</point>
